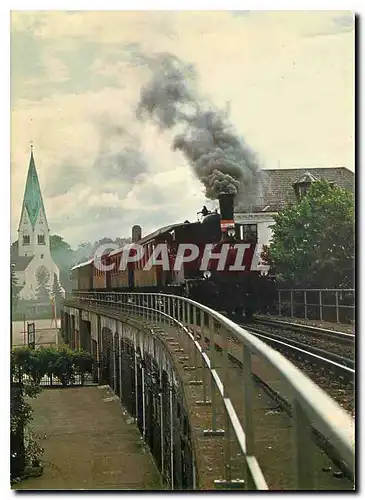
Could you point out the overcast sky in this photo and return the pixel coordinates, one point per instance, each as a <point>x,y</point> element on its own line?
<point>288,79</point>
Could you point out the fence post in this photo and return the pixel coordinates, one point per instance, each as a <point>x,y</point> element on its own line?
<point>143,403</point>
<point>114,365</point>
<point>303,445</point>
<point>337,310</point>
<point>320,306</point>
<point>120,365</point>
<point>291,304</point>
<point>171,437</point>
<point>162,433</point>
<point>305,304</point>
<point>136,362</point>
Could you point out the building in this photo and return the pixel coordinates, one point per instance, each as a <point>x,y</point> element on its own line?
<point>279,188</point>
<point>34,267</point>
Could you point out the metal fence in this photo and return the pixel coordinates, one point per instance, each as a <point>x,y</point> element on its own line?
<point>232,407</point>
<point>332,305</point>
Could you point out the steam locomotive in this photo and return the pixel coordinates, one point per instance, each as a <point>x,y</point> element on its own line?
<point>234,284</point>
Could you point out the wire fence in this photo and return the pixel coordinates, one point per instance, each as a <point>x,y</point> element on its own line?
<point>332,305</point>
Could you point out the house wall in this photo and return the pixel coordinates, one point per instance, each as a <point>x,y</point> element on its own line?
<point>263,220</point>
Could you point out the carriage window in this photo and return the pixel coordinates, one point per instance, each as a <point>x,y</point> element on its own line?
<point>249,232</point>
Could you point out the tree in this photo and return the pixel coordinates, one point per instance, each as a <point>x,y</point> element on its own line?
<point>64,257</point>
<point>313,240</point>
<point>14,251</point>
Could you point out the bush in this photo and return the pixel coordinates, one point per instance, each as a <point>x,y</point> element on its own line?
<point>24,451</point>
<point>62,363</point>
<point>83,363</point>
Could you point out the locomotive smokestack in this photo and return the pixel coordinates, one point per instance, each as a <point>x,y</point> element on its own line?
<point>136,234</point>
<point>226,203</point>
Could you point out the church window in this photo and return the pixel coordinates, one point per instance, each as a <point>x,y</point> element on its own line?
<point>42,255</point>
<point>26,239</point>
<point>41,239</point>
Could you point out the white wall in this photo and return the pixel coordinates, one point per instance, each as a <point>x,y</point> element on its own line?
<point>30,276</point>
<point>263,221</point>
<point>40,227</point>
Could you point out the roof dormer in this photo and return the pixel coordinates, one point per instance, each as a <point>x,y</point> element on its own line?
<point>303,184</point>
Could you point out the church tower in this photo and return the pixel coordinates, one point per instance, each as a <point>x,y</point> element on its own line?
<point>33,227</point>
<point>35,269</point>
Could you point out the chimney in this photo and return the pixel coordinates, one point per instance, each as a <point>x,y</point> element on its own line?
<point>227,219</point>
<point>136,234</point>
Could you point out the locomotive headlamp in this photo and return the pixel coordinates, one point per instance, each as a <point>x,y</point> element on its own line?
<point>231,232</point>
<point>207,274</point>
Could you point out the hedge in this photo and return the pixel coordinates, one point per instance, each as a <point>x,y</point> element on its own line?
<point>62,363</point>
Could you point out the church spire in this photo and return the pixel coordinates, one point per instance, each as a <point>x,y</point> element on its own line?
<point>32,201</point>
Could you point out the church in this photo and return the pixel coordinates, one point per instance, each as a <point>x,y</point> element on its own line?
<point>33,265</point>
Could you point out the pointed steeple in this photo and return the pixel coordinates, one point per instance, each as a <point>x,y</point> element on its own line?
<point>32,201</point>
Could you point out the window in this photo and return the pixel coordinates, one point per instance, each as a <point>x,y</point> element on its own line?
<point>41,239</point>
<point>26,239</point>
<point>42,255</point>
<point>301,190</point>
<point>249,232</point>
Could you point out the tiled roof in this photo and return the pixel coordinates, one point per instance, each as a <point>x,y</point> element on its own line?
<point>278,185</point>
<point>21,263</point>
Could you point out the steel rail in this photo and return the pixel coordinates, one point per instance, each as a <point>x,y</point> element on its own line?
<point>309,351</point>
<point>299,327</point>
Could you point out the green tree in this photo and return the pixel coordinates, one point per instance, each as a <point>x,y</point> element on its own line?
<point>14,251</point>
<point>64,257</point>
<point>313,243</point>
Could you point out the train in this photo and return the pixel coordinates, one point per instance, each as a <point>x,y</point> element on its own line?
<point>225,274</point>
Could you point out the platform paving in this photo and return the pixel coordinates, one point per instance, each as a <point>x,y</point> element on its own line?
<point>90,443</point>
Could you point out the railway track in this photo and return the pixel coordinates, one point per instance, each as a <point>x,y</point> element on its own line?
<point>341,364</point>
<point>338,336</point>
<point>334,372</point>
<point>285,404</point>
<point>331,349</point>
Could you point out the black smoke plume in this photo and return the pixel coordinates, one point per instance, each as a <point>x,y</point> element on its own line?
<point>219,156</point>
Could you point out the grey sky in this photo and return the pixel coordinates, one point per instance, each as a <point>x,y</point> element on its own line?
<point>288,78</point>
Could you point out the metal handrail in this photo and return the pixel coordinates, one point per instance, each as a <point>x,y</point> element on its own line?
<point>313,408</point>
<point>316,290</point>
